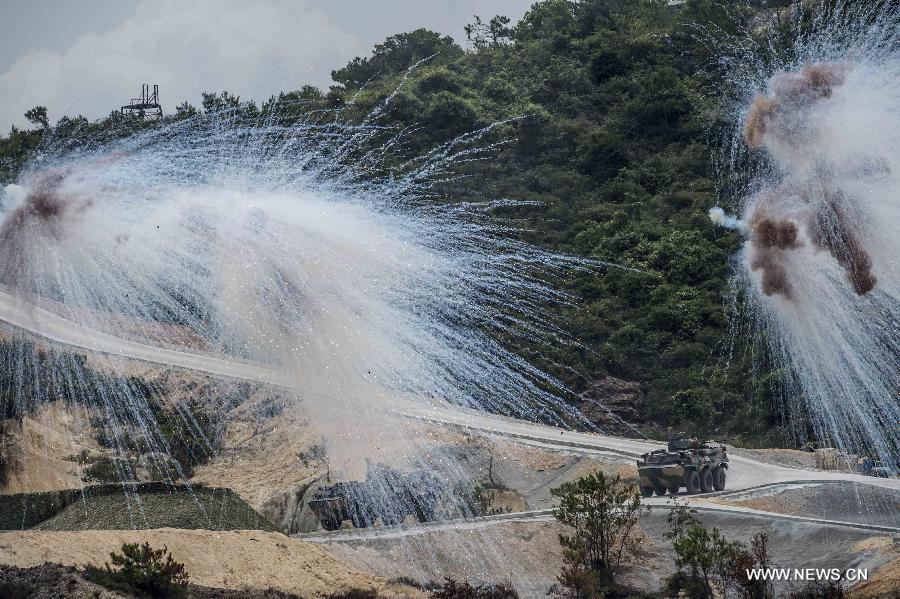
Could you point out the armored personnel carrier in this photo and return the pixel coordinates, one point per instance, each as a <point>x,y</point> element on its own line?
<point>387,495</point>
<point>698,467</point>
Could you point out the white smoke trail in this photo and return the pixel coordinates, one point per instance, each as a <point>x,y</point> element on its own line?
<point>719,217</point>
<point>286,243</point>
<point>820,261</point>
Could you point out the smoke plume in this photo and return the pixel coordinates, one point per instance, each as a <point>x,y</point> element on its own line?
<point>818,149</point>
<point>780,113</point>
<point>770,237</point>
<point>781,122</point>
<point>718,216</point>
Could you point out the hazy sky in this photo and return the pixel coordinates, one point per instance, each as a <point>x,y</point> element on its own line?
<point>90,56</point>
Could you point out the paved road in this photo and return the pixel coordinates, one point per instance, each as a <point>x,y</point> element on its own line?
<point>697,503</point>
<point>47,325</point>
<point>744,474</point>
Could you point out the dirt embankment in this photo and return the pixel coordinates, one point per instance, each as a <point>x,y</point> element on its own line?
<point>263,454</point>
<point>844,501</point>
<point>226,559</point>
<point>38,453</point>
<point>885,582</point>
<point>792,458</point>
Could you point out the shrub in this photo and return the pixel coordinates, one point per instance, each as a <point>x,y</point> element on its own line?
<point>711,566</point>
<point>817,590</point>
<point>355,594</point>
<point>142,571</point>
<point>603,513</point>
<point>107,470</point>
<point>452,589</point>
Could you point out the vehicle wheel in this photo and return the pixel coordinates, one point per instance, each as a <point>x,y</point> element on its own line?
<point>719,479</point>
<point>647,491</point>
<point>706,480</point>
<point>331,523</point>
<point>692,482</point>
<point>660,490</point>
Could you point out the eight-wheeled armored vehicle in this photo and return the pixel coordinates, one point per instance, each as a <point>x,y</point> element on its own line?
<point>387,495</point>
<point>698,467</point>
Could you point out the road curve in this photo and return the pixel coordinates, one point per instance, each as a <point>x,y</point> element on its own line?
<point>43,323</point>
<point>407,530</point>
<point>745,473</point>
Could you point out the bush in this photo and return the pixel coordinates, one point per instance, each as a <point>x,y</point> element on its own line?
<point>817,590</point>
<point>452,589</point>
<point>106,470</point>
<point>711,566</point>
<point>355,594</point>
<point>143,572</point>
<point>603,513</point>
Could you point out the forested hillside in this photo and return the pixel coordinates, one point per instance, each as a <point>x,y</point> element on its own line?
<point>616,111</point>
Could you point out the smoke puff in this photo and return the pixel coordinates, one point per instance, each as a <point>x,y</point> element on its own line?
<point>770,236</point>
<point>791,94</point>
<point>719,217</point>
<point>782,117</point>
<point>771,233</point>
<point>835,231</point>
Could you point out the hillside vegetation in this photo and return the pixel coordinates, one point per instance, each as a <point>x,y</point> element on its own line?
<point>615,109</point>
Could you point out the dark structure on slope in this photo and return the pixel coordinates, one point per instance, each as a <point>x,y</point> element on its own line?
<point>147,106</point>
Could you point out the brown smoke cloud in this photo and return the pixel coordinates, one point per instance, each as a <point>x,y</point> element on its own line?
<point>777,113</point>
<point>833,230</point>
<point>781,115</point>
<point>771,236</point>
<point>44,205</point>
<point>40,214</point>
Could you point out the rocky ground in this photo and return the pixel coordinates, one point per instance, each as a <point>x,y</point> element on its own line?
<point>39,452</point>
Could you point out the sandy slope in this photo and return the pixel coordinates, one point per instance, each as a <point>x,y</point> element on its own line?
<point>262,456</point>
<point>232,559</point>
<point>41,447</point>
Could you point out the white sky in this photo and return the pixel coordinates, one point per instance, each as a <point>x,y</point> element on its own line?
<point>90,56</point>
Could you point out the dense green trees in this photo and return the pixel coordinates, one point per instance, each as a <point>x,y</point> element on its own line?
<point>618,109</point>
<point>613,106</point>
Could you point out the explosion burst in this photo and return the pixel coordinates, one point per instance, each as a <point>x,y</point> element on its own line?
<point>292,245</point>
<point>819,261</point>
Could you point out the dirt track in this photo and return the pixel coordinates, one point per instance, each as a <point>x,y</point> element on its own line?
<point>746,472</point>
<point>528,554</point>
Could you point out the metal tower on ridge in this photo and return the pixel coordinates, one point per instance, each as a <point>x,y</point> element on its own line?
<point>147,106</point>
